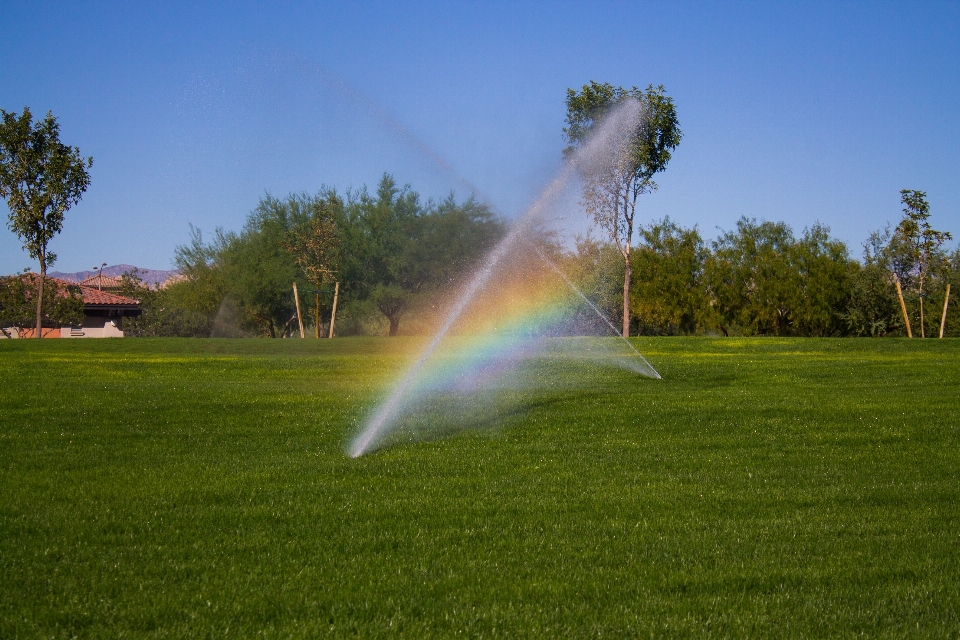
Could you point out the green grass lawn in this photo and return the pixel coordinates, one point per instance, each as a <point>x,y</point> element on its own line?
<point>765,487</point>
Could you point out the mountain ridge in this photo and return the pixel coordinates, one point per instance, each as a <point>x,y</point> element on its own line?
<point>150,276</point>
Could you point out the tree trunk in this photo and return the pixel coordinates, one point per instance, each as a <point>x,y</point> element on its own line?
<point>626,295</point>
<point>922,332</point>
<point>394,325</point>
<point>317,309</point>
<point>43,275</point>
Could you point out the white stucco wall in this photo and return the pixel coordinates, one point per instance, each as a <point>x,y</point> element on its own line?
<point>95,327</point>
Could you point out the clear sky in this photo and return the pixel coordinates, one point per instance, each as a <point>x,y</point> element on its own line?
<point>800,112</point>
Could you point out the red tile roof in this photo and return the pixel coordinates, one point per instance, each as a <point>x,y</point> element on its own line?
<point>107,282</point>
<point>91,296</point>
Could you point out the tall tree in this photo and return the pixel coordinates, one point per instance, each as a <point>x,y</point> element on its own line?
<point>822,267</point>
<point>922,242</point>
<point>40,178</point>
<point>398,250</point>
<point>384,230</point>
<point>611,190</point>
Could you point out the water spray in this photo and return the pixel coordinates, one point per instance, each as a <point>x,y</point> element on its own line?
<point>611,130</point>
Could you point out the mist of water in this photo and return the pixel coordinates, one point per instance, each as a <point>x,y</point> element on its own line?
<point>505,273</point>
<point>225,321</point>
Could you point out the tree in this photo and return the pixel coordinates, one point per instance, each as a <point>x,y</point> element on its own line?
<point>764,280</point>
<point>40,178</point>
<point>595,268</point>
<point>316,245</point>
<point>921,241</point>
<point>871,308</point>
<point>668,265</point>
<point>398,252</point>
<point>62,304</point>
<point>201,287</point>
<point>249,271</point>
<point>383,230</point>
<point>161,316</point>
<point>611,188</point>
<point>750,276</point>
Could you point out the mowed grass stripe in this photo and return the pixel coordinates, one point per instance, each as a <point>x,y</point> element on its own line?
<point>176,488</point>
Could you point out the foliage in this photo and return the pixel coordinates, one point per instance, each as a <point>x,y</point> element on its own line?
<point>596,269</point>
<point>614,182</point>
<point>250,270</point>
<point>750,276</point>
<point>764,281</point>
<point>668,294</point>
<point>160,317</point>
<point>384,229</point>
<point>872,308</point>
<point>921,247</point>
<point>401,250</point>
<point>40,178</point>
<point>386,250</point>
<point>822,269</point>
<point>317,246</point>
<point>62,304</point>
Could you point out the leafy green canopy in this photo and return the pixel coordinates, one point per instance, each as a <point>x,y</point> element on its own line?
<point>388,250</point>
<point>62,305</point>
<point>40,178</point>
<point>612,185</point>
<point>763,280</point>
<point>657,133</point>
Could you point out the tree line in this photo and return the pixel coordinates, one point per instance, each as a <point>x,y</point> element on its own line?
<point>388,254</point>
<point>762,279</point>
<point>395,256</point>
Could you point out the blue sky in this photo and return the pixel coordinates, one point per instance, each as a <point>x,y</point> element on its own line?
<point>801,112</point>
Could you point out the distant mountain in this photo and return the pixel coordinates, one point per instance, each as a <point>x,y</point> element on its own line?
<point>150,276</point>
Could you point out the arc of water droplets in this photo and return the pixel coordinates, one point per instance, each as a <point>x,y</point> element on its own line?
<point>610,132</point>
<point>386,412</point>
<point>652,372</point>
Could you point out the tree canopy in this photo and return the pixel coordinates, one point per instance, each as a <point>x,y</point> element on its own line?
<point>614,182</point>
<point>388,250</point>
<point>920,245</point>
<point>40,178</point>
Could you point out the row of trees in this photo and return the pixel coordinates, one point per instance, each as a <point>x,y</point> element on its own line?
<point>391,253</point>
<point>756,279</point>
<point>760,279</point>
<point>395,256</point>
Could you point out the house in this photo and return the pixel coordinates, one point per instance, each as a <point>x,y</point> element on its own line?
<point>103,314</point>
